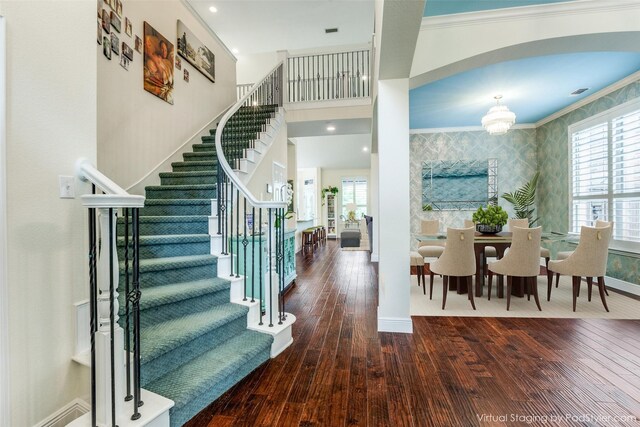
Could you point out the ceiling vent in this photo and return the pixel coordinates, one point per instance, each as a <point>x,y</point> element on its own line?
<point>330,30</point>
<point>579,91</point>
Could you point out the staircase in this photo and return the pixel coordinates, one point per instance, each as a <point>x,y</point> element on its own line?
<point>195,343</point>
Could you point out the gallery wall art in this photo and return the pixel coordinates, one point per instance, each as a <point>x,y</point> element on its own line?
<point>195,52</point>
<point>158,64</point>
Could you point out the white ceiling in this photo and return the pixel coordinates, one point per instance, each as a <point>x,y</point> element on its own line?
<point>334,152</point>
<point>254,26</point>
<point>319,127</point>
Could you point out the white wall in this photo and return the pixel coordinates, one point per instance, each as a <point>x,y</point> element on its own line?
<point>137,130</point>
<point>263,174</point>
<point>4,295</point>
<point>333,177</point>
<point>253,68</point>
<point>393,144</point>
<point>51,121</point>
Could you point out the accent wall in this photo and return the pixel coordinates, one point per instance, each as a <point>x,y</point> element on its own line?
<point>553,186</point>
<point>517,163</point>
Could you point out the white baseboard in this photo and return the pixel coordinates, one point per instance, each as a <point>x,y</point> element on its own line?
<point>66,414</point>
<point>621,285</point>
<point>375,257</point>
<point>395,324</point>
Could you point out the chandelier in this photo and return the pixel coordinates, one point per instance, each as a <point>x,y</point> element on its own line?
<point>499,119</point>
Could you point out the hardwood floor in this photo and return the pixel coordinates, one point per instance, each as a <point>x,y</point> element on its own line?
<point>449,372</point>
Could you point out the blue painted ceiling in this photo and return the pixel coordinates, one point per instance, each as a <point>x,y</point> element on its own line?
<point>533,88</point>
<point>448,7</point>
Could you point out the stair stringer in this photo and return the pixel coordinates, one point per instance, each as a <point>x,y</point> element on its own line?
<point>253,157</point>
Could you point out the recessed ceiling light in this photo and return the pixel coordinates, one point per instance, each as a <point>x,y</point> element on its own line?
<point>213,9</point>
<point>234,51</point>
<point>365,149</point>
<point>331,128</point>
<point>364,77</point>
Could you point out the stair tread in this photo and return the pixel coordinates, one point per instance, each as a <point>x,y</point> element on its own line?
<point>170,238</point>
<point>170,218</point>
<point>168,335</point>
<point>210,368</point>
<point>187,173</point>
<point>182,187</point>
<point>176,292</point>
<point>148,202</point>
<point>197,162</point>
<point>158,264</point>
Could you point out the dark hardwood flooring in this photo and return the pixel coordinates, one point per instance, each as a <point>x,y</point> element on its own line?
<point>450,372</point>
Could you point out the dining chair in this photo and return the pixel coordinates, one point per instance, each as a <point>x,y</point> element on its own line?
<point>588,260</point>
<point>430,249</point>
<point>524,223</point>
<point>416,260</point>
<point>521,261</point>
<point>565,254</point>
<point>457,261</point>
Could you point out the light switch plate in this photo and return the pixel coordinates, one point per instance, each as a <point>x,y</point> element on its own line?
<point>67,187</point>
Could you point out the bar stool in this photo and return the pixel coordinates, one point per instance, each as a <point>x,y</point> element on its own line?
<point>307,240</point>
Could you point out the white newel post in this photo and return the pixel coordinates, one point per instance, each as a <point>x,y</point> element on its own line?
<point>103,335</point>
<point>272,303</point>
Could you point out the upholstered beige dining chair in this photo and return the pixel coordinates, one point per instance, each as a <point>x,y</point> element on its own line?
<point>431,249</point>
<point>521,261</point>
<point>565,254</point>
<point>524,223</point>
<point>457,261</point>
<point>588,260</point>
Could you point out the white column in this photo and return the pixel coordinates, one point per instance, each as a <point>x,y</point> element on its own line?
<point>375,206</point>
<point>393,148</point>
<point>103,335</point>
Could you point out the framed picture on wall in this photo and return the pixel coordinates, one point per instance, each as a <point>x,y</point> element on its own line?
<point>106,21</point>
<point>127,51</point>
<point>128,28</point>
<point>106,47</point>
<point>195,52</point>
<point>158,64</point>
<point>115,22</point>
<point>138,44</point>
<point>115,44</point>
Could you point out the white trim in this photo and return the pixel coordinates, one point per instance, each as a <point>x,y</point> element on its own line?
<point>59,418</point>
<point>622,285</point>
<point>4,292</point>
<point>532,12</point>
<point>375,257</point>
<point>395,324</point>
<point>468,129</point>
<point>208,28</point>
<point>593,97</point>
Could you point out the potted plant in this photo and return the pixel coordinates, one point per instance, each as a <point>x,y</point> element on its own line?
<point>329,189</point>
<point>490,220</point>
<point>523,200</point>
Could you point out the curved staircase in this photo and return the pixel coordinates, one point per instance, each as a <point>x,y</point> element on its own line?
<point>195,343</point>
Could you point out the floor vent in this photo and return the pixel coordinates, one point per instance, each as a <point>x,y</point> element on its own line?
<point>330,30</point>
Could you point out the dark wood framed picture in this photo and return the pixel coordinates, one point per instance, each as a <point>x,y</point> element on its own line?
<point>106,21</point>
<point>106,47</point>
<point>115,22</point>
<point>127,51</point>
<point>128,28</point>
<point>115,44</point>
<point>195,52</point>
<point>158,64</point>
<point>138,44</point>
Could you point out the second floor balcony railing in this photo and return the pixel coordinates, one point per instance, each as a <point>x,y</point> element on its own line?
<point>329,76</point>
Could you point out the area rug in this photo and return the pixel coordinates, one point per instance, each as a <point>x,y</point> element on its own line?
<point>364,246</point>
<point>560,306</point>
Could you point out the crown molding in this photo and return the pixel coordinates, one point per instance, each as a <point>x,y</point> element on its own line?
<point>468,129</point>
<point>575,7</point>
<point>594,96</point>
<point>208,28</point>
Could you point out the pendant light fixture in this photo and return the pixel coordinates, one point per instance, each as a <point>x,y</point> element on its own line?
<point>499,119</point>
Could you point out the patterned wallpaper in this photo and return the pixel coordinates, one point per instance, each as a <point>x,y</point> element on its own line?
<point>517,163</point>
<point>553,185</point>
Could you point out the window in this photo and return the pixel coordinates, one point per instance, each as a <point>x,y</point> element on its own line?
<point>604,153</point>
<point>354,192</point>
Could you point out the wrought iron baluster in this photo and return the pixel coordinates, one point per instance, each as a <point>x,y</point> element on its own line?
<point>238,234</point>
<point>270,266</point>
<point>231,229</point>
<point>93,305</point>
<point>253,254</point>
<point>260,256</point>
<point>112,341</point>
<point>135,297</point>
<point>127,338</point>
<point>245,242</point>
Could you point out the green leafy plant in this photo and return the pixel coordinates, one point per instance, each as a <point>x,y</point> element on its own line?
<point>427,208</point>
<point>523,200</point>
<point>329,189</point>
<point>492,215</point>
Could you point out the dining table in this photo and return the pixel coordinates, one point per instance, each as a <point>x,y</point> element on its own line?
<point>500,241</point>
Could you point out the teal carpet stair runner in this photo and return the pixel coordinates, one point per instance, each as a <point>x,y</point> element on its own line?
<point>195,343</point>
